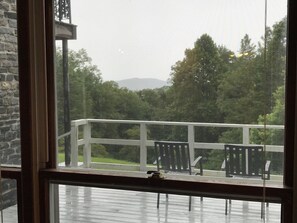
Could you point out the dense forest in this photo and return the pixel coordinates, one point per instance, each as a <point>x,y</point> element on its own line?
<point>210,84</point>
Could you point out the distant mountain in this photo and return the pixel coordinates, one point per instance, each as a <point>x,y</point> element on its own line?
<point>136,84</point>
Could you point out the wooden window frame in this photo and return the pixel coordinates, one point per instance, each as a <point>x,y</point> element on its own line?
<point>38,129</point>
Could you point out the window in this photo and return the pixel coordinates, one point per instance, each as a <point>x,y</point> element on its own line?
<point>220,85</point>
<point>10,152</point>
<point>40,141</point>
<point>224,86</point>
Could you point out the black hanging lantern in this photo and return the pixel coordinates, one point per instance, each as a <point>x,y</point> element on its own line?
<point>62,10</point>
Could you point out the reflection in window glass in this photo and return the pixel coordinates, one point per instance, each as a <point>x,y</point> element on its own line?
<point>86,204</point>
<point>10,153</point>
<point>9,86</point>
<point>8,201</point>
<point>200,72</point>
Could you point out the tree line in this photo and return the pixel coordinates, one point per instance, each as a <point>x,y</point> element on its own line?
<point>210,84</point>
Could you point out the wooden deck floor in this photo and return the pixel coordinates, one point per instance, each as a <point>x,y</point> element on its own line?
<point>93,205</point>
<point>84,204</point>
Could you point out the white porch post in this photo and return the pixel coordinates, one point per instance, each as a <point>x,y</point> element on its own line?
<point>191,140</point>
<point>74,147</point>
<point>143,149</point>
<point>87,145</point>
<point>246,141</point>
<point>245,135</point>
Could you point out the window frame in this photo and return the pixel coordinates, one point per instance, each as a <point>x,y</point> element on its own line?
<point>38,129</point>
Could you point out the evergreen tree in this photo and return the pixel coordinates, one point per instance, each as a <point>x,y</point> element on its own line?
<point>84,78</point>
<point>195,81</point>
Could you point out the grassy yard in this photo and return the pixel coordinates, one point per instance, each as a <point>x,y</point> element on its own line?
<point>61,158</point>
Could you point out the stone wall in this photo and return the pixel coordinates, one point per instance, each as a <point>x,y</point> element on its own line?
<point>9,97</point>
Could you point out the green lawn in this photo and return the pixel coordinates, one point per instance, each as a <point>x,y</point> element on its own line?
<point>61,158</point>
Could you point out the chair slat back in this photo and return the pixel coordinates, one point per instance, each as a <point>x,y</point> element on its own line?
<point>173,156</point>
<point>244,160</point>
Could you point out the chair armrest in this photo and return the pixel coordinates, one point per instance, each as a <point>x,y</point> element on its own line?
<point>155,162</point>
<point>267,165</point>
<point>223,167</point>
<point>267,170</point>
<point>198,163</point>
<point>199,159</point>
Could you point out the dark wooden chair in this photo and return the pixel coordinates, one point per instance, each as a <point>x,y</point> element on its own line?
<point>245,162</point>
<point>174,157</point>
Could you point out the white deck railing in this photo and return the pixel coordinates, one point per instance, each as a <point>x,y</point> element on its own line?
<point>143,142</point>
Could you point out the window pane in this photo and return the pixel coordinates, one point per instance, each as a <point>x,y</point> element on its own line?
<point>8,201</point>
<point>209,74</point>
<point>9,86</point>
<point>87,204</point>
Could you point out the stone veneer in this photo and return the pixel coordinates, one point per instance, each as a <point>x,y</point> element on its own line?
<point>9,98</point>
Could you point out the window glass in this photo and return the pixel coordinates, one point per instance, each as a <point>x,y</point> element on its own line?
<point>87,204</point>
<point>10,153</point>
<point>207,73</point>
<point>10,149</point>
<point>8,201</point>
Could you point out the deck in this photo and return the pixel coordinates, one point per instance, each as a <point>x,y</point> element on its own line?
<point>84,204</point>
<point>93,205</point>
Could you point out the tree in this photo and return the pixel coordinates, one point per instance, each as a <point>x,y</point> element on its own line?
<point>195,81</point>
<point>246,90</point>
<point>254,88</point>
<point>156,103</point>
<point>84,78</point>
<point>238,88</point>
<point>194,91</point>
<point>276,58</point>
<point>272,137</point>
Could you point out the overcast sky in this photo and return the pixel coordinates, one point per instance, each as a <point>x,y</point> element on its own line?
<point>144,38</point>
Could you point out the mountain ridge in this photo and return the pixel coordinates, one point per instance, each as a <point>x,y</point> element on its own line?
<point>136,84</point>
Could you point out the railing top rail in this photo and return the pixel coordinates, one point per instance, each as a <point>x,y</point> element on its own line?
<point>170,123</point>
<point>79,122</point>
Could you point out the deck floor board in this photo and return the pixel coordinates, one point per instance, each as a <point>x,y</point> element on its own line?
<point>93,205</point>
<point>85,204</point>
